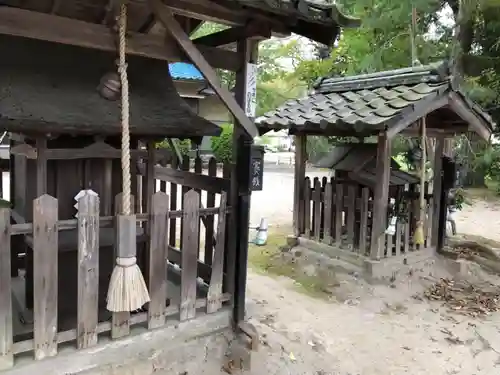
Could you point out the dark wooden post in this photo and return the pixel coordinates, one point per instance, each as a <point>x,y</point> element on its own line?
<point>380,201</point>
<point>240,185</point>
<point>300,175</point>
<point>437,186</point>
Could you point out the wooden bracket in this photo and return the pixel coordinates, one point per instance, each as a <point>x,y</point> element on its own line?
<point>168,20</point>
<point>24,149</point>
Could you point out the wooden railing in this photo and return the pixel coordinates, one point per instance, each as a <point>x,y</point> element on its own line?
<point>340,213</point>
<point>163,260</point>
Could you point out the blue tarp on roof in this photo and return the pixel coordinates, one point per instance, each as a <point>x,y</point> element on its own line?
<point>184,71</point>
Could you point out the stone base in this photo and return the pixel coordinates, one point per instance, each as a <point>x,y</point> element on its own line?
<point>370,269</point>
<point>196,347</point>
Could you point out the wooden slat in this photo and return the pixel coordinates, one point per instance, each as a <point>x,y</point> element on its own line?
<point>436,189</point>
<point>209,221</point>
<point>351,213</point>
<point>300,174</point>
<point>389,245</point>
<point>185,188</point>
<point>317,209</point>
<point>158,255</point>
<point>229,256</point>
<point>173,206</point>
<point>120,321</point>
<point>41,166</point>
<point>189,251</point>
<point>339,204</point>
<point>399,233</point>
<point>185,178</point>
<point>198,171</point>
<point>428,223</point>
<point>45,253</point>
<point>406,237</point>
<point>307,207</point>
<point>363,224</point>
<point>104,222</point>
<point>88,270</point>
<point>214,297</point>
<point>324,181</point>
<point>327,221</point>
<point>166,17</point>
<point>6,342</point>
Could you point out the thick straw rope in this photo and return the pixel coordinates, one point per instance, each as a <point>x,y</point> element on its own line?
<point>122,69</point>
<point>127,289</point>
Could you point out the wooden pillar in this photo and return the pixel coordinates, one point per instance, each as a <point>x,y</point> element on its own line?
<point>381,196</point>
<point>437,186</point>
<point>300,175</point>
<point>41,166</point>
<point>240,186</point>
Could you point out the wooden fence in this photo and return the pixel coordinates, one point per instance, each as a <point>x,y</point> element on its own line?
<point>165,256</point>
<point>340,213</point>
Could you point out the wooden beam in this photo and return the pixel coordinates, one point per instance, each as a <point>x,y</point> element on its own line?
<point>207,11</point>
<point>300,175</point>
<point>232,35</point>
<point>420,110</point>
<point>476,124</point>
<point>436,189</point>
<point>51,28</point>
<point>380,200</point>
<point>170,23</point>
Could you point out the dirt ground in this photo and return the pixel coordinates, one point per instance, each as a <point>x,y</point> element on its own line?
<point>368,329</point>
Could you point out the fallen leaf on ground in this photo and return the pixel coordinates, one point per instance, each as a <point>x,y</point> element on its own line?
<point>464,298</point>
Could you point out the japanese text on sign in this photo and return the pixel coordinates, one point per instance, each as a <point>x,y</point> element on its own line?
<point>251,90</point>
<point>257,174</point>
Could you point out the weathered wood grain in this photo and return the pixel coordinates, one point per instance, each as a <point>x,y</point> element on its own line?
<point>339,204</point>
<point>209,221</point>
<point>185,164</point>
<point>88,270</point>
<point>317,209</point>
<point>214,301</point>
<point>158,255</point>
<point>327,222</point>
<point>173,27</point>
<point>307,207</point>
<point>351,212</point>
<point>173,207</point>
<point>189,252</point>
<point>363,224</point>
<point>45,251</point>
<point>6,354</point>
<point>399,232</point>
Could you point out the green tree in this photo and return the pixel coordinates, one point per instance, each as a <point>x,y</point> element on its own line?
<point>222,146</point>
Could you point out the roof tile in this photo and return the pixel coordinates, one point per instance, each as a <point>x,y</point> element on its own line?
<point>366,103</point>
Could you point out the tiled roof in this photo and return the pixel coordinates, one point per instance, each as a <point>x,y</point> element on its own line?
<point>184,71</point>
<point>326,18</point>
<point>365,103</point>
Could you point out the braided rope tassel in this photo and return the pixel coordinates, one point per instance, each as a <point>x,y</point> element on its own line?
<point>127,289</point>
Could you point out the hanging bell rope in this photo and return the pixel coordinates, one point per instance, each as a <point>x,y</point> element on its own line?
<point>127,290</point>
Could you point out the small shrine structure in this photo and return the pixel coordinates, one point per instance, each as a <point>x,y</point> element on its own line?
<point>350,214</point>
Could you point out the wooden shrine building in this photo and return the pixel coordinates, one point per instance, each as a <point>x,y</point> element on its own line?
<point>352,210</point>
<point>84,86</point>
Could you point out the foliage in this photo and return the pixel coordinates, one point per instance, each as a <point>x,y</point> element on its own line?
<point>467,32</point>
<point>183,144</point>
<point>222,146</point>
